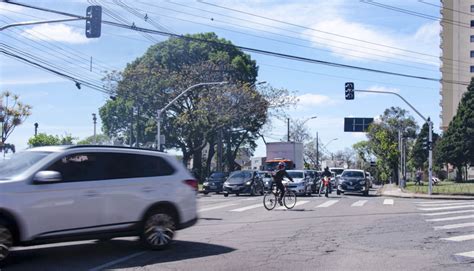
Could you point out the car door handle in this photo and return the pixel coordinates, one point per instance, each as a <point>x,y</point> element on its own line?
<point>148,189</point>
<point>91,194</point>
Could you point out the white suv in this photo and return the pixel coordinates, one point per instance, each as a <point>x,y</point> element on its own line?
<point>69,193</point>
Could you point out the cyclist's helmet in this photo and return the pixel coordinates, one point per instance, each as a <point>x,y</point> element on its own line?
<point>281,165</point>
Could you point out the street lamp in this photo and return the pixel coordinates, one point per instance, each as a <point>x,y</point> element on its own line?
<point>94,119</point>
<point>302,124</point>
<point>162,110</point>
<point>330,142</point>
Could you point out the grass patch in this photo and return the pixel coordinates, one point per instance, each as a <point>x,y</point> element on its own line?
<point>442,188</point>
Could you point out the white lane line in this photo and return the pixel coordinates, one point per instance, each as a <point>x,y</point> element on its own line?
<point>455,226</point>
<point>216,207</point>
<point>442,204</point>
<point>469,254</point>
<point>447,208</point>
<point>247,208</point>
<point>449,213</point>
<point>298,203</point>
<point>450,218</point>
<point>388,202</point>
<point>104,266</point>
<point>327,204</point>
<point>460,238</point>
<point>359,203</point>
<point>438,202</point>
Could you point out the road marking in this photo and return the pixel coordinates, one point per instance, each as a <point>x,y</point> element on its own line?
<point>247,208</point>
<point>104,266</point>
<point>388,202</point>
<point>447,208</point>
<point>469,254</point>
<point>216,207</point>
<point>460,238</point>
<point>359,203</point>
<point>450,218</point>
<point>438,202</point>
<point>455,226</point>
<point>297,204</point>
<point>327,204</point>
<point>449,213</point>
<point>442,204</point>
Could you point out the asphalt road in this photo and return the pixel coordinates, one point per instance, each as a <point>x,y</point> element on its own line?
<point>347,232</point>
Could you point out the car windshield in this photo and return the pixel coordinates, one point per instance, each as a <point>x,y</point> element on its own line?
<point>19,163</point>
<point>353,174</point>
<point>337,171</point>
<point>218,175</point>
<point>240,174</point>
<point>295,174</point>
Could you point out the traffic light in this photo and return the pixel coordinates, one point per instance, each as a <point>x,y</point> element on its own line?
<point>93,21</point>
<point>349,90</point>
<point>427,145</point>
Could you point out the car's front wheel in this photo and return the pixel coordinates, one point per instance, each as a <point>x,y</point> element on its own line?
<point>158,230</point>
<point>338,192</point>
<point>6,242</point>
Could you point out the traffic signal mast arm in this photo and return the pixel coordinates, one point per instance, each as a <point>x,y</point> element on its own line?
<point>38,22</point>
<point>430,133</point>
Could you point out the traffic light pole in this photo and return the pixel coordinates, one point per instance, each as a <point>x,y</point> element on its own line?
<point>430,134</point>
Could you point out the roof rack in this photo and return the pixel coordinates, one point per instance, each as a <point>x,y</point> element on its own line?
<point>109,147</point>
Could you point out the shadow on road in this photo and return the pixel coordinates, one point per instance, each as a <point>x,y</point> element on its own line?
<point>85,256</point>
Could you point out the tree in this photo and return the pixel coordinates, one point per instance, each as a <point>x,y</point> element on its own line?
<point>457,144</point>
<point>383,139</point>
<point>363,152</point>
<point>12,113</point>
<point>43,139</point>
<point>99,139</point>
<point>420,150</point>
<point>298,131</point>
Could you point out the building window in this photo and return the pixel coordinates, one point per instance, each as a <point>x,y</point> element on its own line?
<point>472,69</point>
<point>472,8</point>
<point>472,38</point>
<point>472,23</point>
<point>472,54</point>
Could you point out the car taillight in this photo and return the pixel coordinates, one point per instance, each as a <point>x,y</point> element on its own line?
<point>192,183</point>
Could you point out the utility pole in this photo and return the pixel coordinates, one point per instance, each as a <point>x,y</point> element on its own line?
<point>36,128</point>
<point>94,119</point>
<point>288,124</point>
<point>317,151</point>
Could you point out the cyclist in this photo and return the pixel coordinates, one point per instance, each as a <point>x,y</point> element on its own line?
<point>327,174</point>
<point>278,178</point>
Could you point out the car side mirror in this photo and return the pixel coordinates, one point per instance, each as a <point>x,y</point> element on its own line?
<point>47,176</point>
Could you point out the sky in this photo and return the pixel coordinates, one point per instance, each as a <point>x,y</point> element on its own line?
<point>349,32</point>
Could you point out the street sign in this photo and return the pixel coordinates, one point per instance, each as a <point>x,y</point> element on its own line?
<point>357,124</point>
<point>93,21</point>
<point>349,87</point>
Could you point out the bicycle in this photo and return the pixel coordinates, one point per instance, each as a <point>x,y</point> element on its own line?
<point>271,197</point>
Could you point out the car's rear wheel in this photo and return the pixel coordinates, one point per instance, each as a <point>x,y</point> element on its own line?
<point>6,242</point>
<point>158,230</point>
<point>226,195</point>
<point>206,192</point>
<point>366,193</point>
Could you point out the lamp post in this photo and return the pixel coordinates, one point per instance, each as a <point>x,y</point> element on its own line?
<point>94,119</point>
<point>332,156</point>
<point>162,110</point>
<point>36,128</point>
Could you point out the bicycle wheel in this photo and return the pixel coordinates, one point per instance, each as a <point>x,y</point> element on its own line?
<point>269,200</point>
<point>289,200</point>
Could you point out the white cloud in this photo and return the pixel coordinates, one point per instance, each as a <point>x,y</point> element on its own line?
<point>309,99</point>
<point>9,8</point>
<point>56,32</point>
<point>31,80</point>
<point>378,89</point>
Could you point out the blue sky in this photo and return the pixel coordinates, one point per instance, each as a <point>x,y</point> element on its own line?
<point>60,108</point>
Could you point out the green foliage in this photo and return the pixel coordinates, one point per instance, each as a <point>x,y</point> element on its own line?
<point>12,113</point>
<point>99,139</point>
<point>43,139</point>
<point>419,154</point>
<point>457,144</point>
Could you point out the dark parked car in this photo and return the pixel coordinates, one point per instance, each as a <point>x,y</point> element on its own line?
<point>215,182</point>
<point>243,182</point>
<point>267,179</point>
<point>353,181</point>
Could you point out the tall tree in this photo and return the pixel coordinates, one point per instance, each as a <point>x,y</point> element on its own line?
<point>12,114</point>
<point>420,150</point>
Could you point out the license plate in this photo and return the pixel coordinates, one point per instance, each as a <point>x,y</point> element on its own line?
<point>236,188</point>
<point>350,187</point>
<point>213,187</point>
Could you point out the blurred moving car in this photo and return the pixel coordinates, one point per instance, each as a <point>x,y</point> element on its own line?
<point>313,177</point>
<point>85,192</point>
<point>353,181</point>
<point>301,182</point>
<point>215,182</point>
<point>267,179</point>
<point>337,171</point>
<point>243,182</point>
<point>370,179</point>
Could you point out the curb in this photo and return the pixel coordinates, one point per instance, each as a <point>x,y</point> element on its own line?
<point>401,194</point>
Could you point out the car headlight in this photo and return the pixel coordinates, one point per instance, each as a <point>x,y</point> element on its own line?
<point>205,183</point>
<point>248,183</point>
<point>362,182</point>
<point>226,183</point>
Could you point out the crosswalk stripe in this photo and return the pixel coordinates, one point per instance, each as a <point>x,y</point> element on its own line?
<point>454,226</point>
<point>469,254</point>
<point>388,202</point>
<point>327,204</point>
<point>216,207</point>
<point>442,204</point>
<point>247,208</point>
<point>298,203</point>
<point>449,213</point>
<point>359,203</point>
<point>447,208</point>
<point>438,202</point>
<point>460,238</point>
<point>450,218</point>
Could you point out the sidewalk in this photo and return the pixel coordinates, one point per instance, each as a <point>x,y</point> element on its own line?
<point>392,190</point>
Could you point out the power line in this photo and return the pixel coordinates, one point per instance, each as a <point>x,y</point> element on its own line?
<point>442,7</point>
<point>144,17</point>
